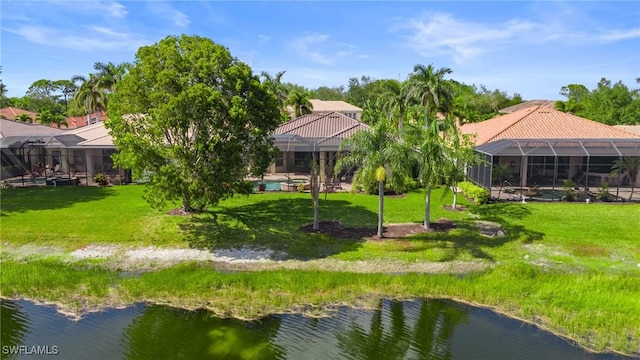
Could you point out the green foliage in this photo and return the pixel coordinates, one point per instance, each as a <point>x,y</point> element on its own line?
<point>569,190</point>
<point>192,116</point>
<point>604,194</point>
<point>101,179</point>
<point>300,103</point>
<point>611,104</point>
<point>479,194</point>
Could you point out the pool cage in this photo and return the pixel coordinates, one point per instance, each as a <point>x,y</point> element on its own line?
<point>549,163</point>
<point>55,160</point>
<point>299,154</point>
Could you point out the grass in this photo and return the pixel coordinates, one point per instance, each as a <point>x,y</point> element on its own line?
<point>571,267</point>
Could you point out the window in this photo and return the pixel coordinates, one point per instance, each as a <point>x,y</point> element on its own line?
<point>280,159</point>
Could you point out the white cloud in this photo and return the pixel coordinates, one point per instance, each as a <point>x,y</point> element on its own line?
<point>175,16</point>
<point>112,8</point>
<point>88,38</point>
<point>317,48</point>
<point>442,34</point>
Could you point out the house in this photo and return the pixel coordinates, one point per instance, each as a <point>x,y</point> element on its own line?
<point>38,154</point>
<point>312,137</point>
<point>11,113</point>
<point>325,107</point>
<point>540,146</point>
<point>74,122</point>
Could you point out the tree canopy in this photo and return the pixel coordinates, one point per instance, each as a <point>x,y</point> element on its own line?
<point>192,118</point>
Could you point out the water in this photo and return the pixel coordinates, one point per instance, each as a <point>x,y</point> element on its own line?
<point>430,329</point>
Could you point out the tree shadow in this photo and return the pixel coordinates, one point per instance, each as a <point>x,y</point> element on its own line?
<point>49,198</point>
<point>466,239</point>
<point>275,225</point>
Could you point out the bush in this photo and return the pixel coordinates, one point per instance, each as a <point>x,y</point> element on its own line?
<point>6,185</point>
<point>101,179</point>
<point>478,194</point>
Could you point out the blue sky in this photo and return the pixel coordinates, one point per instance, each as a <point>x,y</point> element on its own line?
<point>533,48</point>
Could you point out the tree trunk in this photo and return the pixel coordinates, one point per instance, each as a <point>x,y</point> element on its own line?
<point>455,197</point>
<point>380,208</point>
<point>315,187</point>
<point>186,204</point>
<point>427,208</point>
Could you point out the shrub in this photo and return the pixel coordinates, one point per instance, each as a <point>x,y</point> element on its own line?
<point>604,194</point>
<point>101,179</point>
<point>6,185</point>
<point>300,187</point>
<point>478,194</point>
<point>570,193</point>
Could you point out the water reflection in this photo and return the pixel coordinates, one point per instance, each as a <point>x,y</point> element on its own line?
<point>13,327</point>
<point>430,329</point>
<point>160,331</point>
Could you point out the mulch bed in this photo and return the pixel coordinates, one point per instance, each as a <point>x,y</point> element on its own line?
<point>393,231</point>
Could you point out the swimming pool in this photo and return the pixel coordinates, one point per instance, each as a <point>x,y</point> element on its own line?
<point>276,185</point>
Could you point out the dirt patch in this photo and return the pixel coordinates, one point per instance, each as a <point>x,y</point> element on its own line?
<point>458,208</point>
<point>392,231</point>
<point>490,229</point>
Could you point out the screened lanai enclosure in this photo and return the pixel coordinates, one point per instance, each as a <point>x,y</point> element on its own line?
<point>588,163</point>
<point>55,160</point>
<point>297,155</point>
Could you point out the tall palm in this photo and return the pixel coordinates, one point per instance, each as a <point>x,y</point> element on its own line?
<point>90,96</point>
<point>277,88</point>
<point>396,100</point>
<point>109,74</point>
<point>460,153</point>
<point>300,103</point>
<point>24,118</point>
<point>373,150</point>
<point>429,87</point>
<point>630,164</point>
<point>432,158</point>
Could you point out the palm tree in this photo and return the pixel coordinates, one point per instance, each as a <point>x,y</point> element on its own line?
<point>90,96</point>
<point>570,106</point>
<point>432,159</point>
<point>430,89</point>
<point>277,88</point>
<point>373,150</point>
<point>24,118</point>
<point>300,103</point>
<point>461,154</point>
<point>46,117</point>
<point>396,101</point>
<point>110,74</point>
<point>630,164</point>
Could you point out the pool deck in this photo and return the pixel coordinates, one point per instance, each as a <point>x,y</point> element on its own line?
<point>345,187</point>
<point>623,193</point>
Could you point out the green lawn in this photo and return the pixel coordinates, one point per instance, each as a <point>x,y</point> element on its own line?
<point>572,267</point>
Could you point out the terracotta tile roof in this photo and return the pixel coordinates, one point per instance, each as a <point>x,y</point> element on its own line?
<point>634,129</point>
<point>542,123</point>
<point>80,121</point>
<point>331,125</point>
<point>11,113</point>
<point>546,103</point>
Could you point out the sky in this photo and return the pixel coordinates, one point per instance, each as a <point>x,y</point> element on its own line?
<point>526,47</point>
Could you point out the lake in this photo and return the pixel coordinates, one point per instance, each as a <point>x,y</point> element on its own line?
<point>420,329</point>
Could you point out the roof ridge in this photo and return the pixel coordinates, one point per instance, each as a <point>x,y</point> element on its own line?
<point>530,109</point>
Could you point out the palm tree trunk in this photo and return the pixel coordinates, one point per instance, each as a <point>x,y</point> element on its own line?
<point>380,207</point>
<point>455,196</point>
<point>427,208</point>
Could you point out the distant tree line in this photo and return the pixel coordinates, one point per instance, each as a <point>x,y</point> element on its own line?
<point>612,104</point>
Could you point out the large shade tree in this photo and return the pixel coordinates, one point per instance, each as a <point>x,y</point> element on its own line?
<point>191,117</point>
